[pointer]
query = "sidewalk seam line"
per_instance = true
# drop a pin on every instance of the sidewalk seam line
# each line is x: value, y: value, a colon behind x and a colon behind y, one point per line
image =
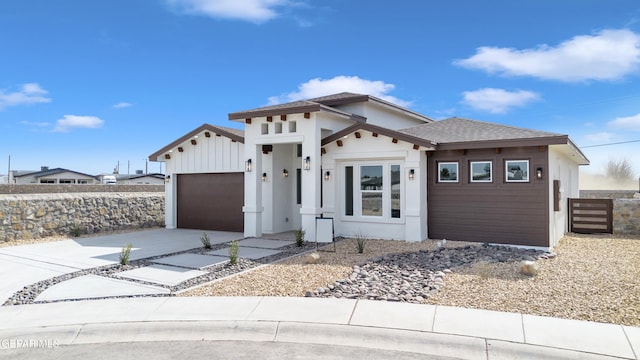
x: 629, y: 341
x: 524, y: 335
x: 353, y: 311
x: 433, y: 320
x: 486, y: 348
x: 275, y: 335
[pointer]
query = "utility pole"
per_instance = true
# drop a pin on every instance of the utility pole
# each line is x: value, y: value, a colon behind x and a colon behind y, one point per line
x: 146, y: 166
x: 9, y: 171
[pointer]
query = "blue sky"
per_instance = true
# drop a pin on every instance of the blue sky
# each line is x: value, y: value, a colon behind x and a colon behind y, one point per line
x: 86, y: 84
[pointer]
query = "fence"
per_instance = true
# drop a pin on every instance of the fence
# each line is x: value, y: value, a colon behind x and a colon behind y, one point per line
x: 589, y: 216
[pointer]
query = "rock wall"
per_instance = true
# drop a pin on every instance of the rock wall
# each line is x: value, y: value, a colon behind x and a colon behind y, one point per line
x: 39, y: 215
x: 78, y: 188
x: 607, y: 194
x: 626, y: 216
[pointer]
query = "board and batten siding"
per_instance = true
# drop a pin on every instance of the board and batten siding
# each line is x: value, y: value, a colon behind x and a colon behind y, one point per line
x: 498, y: 212
x: 213, y: 154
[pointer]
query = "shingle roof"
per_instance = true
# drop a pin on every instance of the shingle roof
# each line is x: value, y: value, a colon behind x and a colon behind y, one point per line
x: 456, y: 130
x: 41, y: 173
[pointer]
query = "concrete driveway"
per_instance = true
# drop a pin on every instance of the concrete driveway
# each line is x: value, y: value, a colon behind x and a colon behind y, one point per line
x: 27, y: 264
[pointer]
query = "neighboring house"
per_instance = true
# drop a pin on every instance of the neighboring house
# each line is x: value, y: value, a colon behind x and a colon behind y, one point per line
x: 377, y: 169
x: 138, y: 179
x: 53, y: 176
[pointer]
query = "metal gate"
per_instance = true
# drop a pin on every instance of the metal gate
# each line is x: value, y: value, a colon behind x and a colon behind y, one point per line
x: 590, y: 216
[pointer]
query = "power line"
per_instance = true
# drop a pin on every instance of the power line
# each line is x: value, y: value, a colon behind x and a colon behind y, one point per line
x: 616, y: 143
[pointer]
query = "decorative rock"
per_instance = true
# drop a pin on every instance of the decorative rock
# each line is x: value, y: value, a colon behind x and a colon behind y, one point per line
x: 312, y: 258
x: 529, y: 268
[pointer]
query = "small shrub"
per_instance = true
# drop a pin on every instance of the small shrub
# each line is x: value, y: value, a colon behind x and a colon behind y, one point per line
x: 75, y: 230
x: 233, y: 252
x: 206, y: 242
x: 124, y: 254
x: 361, y: 240
x: 300, y: 236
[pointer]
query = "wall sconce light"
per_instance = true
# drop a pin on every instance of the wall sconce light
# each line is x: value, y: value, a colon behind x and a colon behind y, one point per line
x: 167, y: 179
x: 412, y: 174
x: 306, y: 164
x: 247, y: 166
x: 327, y: 176
x: 285, y: 173
x: 264, y: 176
x: 539, y: 173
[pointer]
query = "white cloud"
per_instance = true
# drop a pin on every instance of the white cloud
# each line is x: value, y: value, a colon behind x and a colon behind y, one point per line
x: 70, y: 122
x: 630, y: 123
x: 320, y: 87
x: 122, y: 105
x: 498, y: 101
x: 607, y: 55
x: 30, y: 93
x: 249, y: 10
x: 600, y: 137
x: 35, y: 124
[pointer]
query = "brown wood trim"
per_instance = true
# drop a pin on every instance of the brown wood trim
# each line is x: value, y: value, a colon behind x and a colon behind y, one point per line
x: 357, y: 134
x: 339, y: 142
x: 307, y: 115
x: 374, y: 134
x: 416, y: 146
x: 247, y: 121
x: 275, y: 111
x: 207, y: 134
x: 180, y: 149
x: 394, y: 140
x: 283, y: 117
x: 167, y: 156
x: 219, y: 131
x: 194, y: 142
x: 269, y: 118
x: 378, y: 130
x: 556, y: 195
x: 323, y: 151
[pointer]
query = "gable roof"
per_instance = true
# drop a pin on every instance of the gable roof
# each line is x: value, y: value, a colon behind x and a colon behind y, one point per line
x: 48, y: 172
x: 233, y: 134
x: 379, y: 130
x: 323, y: 103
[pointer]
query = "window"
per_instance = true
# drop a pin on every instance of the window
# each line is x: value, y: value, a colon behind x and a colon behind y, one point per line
x: 448, y: 172
x: 278, y: 129
x: 373, y: 191
x: 298, y: 150
x: 292, y: 126
x: 298, y: 186
x: 517, y: 170
x: 395, y: 191
x: 481, y: 171
x: 348, y: 193
x: 264, y: 128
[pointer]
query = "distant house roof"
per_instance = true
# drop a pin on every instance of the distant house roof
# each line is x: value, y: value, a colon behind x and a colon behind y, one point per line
x: 233, y: 134
x: 49, y: 172
x: 138, y: 176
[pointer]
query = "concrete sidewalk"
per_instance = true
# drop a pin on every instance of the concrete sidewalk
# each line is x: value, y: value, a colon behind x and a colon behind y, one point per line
x: 439, y: 331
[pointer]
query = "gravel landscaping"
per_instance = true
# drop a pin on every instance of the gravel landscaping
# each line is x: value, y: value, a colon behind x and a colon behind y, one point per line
x: 590, y: 277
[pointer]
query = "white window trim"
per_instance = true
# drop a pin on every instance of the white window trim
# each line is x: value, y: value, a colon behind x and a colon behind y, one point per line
x: 386, y: 193
x: 506, y: 172
x: 490, y: 180
x: 457, y: 172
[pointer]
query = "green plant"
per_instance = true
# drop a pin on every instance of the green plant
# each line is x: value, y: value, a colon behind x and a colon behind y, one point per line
x: 361, y: 240
x: 206, y: 242
x: 75, y: 230
x: 233, y: 252
x: 300, y: 236
x: 124, y: 254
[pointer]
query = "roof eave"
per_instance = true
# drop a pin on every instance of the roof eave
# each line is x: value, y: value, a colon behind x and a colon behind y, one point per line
x: 430, y: 145
x: 504, y: 143
x: 274, y: 112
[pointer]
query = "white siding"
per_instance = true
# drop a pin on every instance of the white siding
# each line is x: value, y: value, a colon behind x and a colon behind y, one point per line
x: 566, y: 170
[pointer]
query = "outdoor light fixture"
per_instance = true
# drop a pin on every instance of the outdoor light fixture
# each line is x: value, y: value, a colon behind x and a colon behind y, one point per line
x: 247, y: 166
x: 539, y: 173
x: 412, y: 174
x: 306, y: 164
x: 264, y: 176
x: 327, y: 176
x: 167, y: 178
x: 285, y: 173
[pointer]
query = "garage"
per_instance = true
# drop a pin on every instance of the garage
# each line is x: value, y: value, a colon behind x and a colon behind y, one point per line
x: 211, y: 201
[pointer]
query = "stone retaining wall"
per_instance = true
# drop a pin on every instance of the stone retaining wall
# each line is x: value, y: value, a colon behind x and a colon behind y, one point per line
x: 607, y: 194
x: 39, y: 215
x: 78, y: 188
x: 626, y: 216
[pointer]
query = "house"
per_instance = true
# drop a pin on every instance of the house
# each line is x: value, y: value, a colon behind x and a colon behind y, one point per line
x: 53, y: 176
x: 375, y: 168
x: 138, y: 179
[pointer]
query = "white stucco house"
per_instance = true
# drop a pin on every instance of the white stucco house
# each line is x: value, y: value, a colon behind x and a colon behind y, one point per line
x: 375, y: 168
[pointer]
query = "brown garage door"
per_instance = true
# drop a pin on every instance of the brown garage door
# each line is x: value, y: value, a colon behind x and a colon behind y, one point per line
x: 211, y: 201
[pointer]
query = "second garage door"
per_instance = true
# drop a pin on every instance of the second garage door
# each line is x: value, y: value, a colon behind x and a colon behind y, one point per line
x: 210, y: 201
